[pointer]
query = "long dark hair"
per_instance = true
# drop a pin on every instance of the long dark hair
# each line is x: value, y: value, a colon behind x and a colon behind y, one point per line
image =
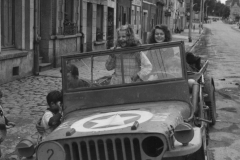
x: 164, y: 28
x: 132, y: 40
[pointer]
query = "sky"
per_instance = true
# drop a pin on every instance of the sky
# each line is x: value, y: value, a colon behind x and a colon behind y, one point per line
x: 223, y: 1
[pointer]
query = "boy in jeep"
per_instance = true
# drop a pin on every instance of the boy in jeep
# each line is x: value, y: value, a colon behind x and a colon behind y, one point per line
x: 52, y: 116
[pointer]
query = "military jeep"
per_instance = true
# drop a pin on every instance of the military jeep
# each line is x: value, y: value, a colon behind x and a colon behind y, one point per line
x: 163, y: 116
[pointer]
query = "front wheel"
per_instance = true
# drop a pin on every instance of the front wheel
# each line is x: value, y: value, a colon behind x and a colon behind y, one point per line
x: 210, y: 100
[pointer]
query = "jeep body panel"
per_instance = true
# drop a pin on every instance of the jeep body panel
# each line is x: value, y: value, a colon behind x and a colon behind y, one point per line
x: 161, y: 116
x: 151, y: 92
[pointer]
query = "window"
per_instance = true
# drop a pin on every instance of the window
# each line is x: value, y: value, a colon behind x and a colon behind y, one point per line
x: 124, y: 16
x: 133, y: 16
x: 70, y: 27
x: 7, y: 21
x: 68, y: 15
x: 99, y: 27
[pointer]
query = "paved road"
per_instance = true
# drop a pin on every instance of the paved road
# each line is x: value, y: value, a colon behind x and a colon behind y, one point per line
x: 24, y: 103
x: 221, y: 46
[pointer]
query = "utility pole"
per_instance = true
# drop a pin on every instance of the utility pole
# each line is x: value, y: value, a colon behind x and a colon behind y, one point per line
x: 190, y: 22
x: 200, y: 18
x: 203, y: 11
x: 206, y: 11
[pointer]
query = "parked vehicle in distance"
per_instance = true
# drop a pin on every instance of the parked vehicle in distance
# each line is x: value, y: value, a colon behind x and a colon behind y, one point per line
x: 163, y: 116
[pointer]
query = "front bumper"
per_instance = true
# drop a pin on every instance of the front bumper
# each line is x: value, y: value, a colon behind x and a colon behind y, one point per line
x: 193, y: 146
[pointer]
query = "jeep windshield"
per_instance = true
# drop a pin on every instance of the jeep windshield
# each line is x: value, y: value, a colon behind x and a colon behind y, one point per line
x: 122, y: 67
x: 111, y: 73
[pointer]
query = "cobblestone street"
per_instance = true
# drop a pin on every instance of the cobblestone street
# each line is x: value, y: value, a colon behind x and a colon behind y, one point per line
x: 24, y: 101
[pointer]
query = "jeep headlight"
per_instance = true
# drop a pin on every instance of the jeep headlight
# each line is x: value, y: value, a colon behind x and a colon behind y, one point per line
x: 153, y: 146
x: 184, y: 133
x: 51, y: 150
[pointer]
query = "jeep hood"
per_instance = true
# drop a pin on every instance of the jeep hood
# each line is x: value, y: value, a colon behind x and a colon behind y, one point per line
x: 154, y: 117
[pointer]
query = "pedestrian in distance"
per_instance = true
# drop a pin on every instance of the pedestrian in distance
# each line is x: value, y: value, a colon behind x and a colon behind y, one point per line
x: 136, y: 65
x: 52, y: 116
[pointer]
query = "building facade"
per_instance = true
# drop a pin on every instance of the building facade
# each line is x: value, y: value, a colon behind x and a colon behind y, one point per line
x: 36, y: 33
x: 95, y: 24
x: 148, y: 18
x: 60, y: 29
x: 179, y: 16
x: 235, y: 10
x: 17, y: 37
x: 123, y: 12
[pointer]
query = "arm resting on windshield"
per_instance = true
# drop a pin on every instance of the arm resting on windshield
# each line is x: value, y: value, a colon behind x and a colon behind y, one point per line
x: 146, y: 66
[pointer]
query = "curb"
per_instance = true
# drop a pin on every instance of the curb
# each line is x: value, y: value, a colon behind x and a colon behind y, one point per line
x: 225, y: 95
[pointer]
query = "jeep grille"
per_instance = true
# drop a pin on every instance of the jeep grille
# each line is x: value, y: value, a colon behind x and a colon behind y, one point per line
x: 112, y: 147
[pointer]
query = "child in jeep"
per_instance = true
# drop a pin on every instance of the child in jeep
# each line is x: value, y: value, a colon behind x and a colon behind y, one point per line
x: 136, y: 65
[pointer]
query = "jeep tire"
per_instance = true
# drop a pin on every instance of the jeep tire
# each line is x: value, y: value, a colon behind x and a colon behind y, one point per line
x: 210, y: 101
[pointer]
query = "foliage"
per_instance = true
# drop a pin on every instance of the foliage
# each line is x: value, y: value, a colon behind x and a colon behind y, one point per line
x: 214, y: 8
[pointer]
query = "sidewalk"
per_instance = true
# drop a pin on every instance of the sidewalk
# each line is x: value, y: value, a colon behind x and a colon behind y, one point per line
x: 235, y: 27
x: 184, y: 37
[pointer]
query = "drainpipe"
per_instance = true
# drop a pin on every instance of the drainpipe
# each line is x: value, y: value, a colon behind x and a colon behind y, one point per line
x: 81, y: 22
x: 36, y: 39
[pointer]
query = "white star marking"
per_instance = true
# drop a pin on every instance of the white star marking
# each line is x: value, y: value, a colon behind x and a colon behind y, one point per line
x: 111, y: 121
x: 115, y: 120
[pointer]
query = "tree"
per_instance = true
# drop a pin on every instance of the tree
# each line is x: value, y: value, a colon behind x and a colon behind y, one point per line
x: 226, y: 12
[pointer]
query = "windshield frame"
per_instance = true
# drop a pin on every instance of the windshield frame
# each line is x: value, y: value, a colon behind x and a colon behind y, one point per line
x: 66, y: 58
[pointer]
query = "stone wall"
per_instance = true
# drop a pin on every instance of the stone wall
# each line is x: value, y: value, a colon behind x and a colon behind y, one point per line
x: 15, y: 64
